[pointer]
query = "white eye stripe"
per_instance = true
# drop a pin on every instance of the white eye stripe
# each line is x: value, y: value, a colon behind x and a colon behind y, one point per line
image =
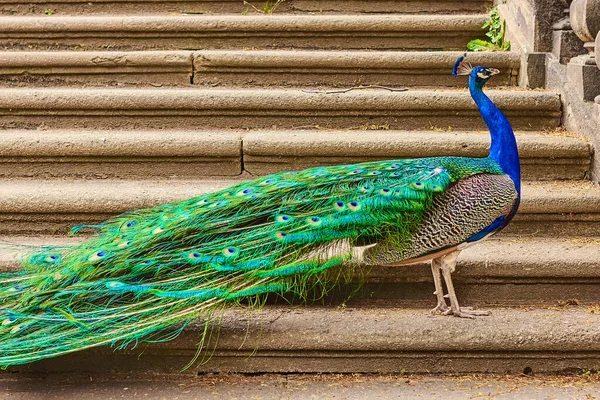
x: 482, y: 75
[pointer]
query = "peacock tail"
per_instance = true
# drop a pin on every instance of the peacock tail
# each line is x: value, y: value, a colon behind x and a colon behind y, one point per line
x: 147, y: 273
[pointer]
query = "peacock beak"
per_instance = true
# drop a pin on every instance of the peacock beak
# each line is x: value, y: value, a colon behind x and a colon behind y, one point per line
x: 494, y: 71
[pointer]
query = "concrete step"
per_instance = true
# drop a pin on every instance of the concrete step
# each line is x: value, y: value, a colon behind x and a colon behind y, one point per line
x: 145, y: 108
x: 119, y: 154
x: 146, y: 7
x: 543, y: 156
x: 503, y: 271
x: 401, y: 32
x: 189, y: 155
x: 575, y: 386
x: 355, y: 340
x: 569, y: 208
x: 96, y: 68
x: 342, y: 68
x: 245, y: 68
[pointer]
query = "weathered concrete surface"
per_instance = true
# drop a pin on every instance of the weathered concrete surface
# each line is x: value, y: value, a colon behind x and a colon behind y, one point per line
x: 149, y: 7
x: 343, y: 68
x: 119, y: 154
x: 145, y: 108
x: 506, y: 271
x: 529, y: 23
x: 578, y: 115
x: 191, y: 154
x: 391, y: 340
x: 543, y: 156
x: 299, y: 387
x: 583, y: 77
x: 238, y: 68
x: 442, y: 32
x: 47, y: 68
x: 26, y: 206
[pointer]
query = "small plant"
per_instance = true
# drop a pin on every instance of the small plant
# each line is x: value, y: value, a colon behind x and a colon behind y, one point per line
x: 495, y: 34
x: 591, y: 374
x: 48, y: 11
x: 268, y: 8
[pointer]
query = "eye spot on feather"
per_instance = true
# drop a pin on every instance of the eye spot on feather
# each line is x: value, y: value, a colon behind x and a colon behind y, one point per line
x: 52, y: 258
x: 385, y: 191
x: 124, y: 244
x: 268, y: 181
x: 375, y: 173
x: 114, y: 285
x: 17, y: 288
x: 129, y: 224
x: 280, y: 235
x: 339, y: 205
x: 355, y: 172
x: 245, y: 192
x: 18, y: 328
x: 365, y: 189
x: 8, y: 321
x: 396, y: 173
x: 283, y: 219
x: 354, y: 205
x: 230, y: 251
x: 218, y: 204
x: 437, y: 188
x: 158, y: 230
x: 417, y: 185
x: 202, y: 202
x: 98, y: 255
x: 393, y: 166
x: 193, y: 255
x: 314, y: 221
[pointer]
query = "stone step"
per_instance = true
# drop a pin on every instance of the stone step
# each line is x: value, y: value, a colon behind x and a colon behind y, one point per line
x: 569, y: 208
x: 543, y: 156
x: 245, y: 68
x: 119, y: 154
x: 190, y: 108
x: 96, y: 68
x: 503, y: 271
x: 361, y: 340
x: 142, y: 155
x: 74, y: 386
x: 178, y: 32
x: 343, y: 68
x: 135, y: 7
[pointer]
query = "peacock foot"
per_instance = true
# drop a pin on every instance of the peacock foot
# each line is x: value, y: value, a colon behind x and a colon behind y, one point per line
x: 441, y: 308
x: 467, y: 312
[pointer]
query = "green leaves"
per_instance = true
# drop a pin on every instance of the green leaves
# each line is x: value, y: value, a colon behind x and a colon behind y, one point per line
x: 495, y: 33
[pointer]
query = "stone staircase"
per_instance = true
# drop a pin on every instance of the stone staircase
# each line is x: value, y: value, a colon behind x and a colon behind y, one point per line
x: 113, y: 105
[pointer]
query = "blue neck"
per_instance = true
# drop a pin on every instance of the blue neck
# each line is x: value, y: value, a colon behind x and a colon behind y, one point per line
x: 503, y: 149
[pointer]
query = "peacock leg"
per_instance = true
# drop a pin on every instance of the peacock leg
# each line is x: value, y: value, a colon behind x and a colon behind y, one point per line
x: 448, y: 266
x: 442, y: 307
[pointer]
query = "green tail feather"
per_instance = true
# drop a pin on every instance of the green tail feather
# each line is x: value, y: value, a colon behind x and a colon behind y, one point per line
x: 149, y: 272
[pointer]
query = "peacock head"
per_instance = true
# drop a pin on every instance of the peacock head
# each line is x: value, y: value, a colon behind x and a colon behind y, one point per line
x: 478, y: 75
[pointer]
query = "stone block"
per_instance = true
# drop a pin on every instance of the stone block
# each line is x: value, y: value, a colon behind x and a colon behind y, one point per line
x: 566, y: 45
x: 584, y: 76
x: 533, y: 70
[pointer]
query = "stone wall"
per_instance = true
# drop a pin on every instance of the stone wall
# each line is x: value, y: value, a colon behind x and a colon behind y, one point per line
x: 558, y: 40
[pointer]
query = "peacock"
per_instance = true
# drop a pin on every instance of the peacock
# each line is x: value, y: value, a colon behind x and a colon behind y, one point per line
x: 145, y: 274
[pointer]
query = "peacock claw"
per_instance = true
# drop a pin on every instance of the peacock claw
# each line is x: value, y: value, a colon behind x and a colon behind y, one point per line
x: 441, y: 308
x: 468, y: 312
